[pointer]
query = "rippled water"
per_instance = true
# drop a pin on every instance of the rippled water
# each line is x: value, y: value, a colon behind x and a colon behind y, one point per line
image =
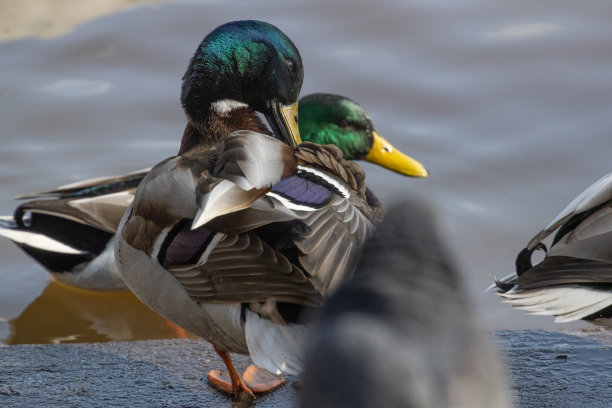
x: 507, y: 103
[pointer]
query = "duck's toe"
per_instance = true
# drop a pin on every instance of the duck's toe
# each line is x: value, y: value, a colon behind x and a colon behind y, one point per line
x: 222, y: 381
x: 260, y: 380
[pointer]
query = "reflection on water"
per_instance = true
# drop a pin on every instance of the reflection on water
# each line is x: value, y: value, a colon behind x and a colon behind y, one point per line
x: 507, y: 103
x: 62, y: 314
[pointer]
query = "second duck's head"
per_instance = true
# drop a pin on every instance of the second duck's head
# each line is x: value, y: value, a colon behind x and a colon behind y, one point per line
x: 337, y: 120
x: 243, y: 67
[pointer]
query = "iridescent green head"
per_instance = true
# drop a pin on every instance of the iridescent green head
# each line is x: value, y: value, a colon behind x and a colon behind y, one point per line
x: 334, y: 119
x: 245, y: 63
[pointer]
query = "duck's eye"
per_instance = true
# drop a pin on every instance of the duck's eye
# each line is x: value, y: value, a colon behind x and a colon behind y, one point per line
x: 343, y: 123
x: 290, y: 65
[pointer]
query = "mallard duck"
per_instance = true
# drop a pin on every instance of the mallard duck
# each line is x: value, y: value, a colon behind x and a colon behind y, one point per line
x: 245, y: 229
x: 574, y: 280
x: 400, y: 333
x: 70, y: 230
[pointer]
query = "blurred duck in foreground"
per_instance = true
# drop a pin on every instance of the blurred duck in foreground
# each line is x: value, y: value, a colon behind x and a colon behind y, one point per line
x: 70, y: 230
x: 400, y: 333
x: 574, y: 280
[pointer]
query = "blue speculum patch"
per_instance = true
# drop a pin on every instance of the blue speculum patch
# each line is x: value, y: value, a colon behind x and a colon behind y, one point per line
x: 305, y: 188
x: 187, y: 245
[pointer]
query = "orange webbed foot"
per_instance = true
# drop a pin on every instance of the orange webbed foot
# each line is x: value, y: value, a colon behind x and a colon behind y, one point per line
x: 253, y: 380
x: 260, y: 380
x: 222, y: 381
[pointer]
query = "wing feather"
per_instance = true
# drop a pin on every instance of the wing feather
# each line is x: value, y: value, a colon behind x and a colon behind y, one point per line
x: 313, y: 246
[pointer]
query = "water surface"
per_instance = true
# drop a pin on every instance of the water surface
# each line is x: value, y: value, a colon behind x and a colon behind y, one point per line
x: 507, y: 103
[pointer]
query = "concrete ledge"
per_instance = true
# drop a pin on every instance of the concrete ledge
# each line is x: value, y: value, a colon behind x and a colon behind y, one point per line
x: 155, y: 373
x: 546, y: 369
x: 570, y: 369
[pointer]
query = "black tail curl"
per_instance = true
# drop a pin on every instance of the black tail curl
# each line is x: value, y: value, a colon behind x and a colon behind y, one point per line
x: 523, y: 259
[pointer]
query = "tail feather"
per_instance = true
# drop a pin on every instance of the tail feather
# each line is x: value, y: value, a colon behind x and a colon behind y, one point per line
x: 277, y: 348
x: 34, y: 240
x: 568, y: 302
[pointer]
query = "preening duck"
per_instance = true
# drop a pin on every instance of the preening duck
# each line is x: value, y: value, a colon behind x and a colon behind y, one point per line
x: 70, y: 230
x: 574, y: 280
x: 246, y: 228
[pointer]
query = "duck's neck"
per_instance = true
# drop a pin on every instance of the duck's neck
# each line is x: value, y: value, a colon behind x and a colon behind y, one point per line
x: 218, y: 125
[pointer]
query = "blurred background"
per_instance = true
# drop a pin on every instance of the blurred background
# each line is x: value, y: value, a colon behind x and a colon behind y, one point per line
x: 508, y: 104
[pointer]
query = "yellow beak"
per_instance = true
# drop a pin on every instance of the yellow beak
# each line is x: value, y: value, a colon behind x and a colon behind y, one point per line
x: 385, y: 155
x: 289, y: 118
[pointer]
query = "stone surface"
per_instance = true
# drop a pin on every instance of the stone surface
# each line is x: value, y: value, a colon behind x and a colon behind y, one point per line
x: 559, y: 369
x: 160, y: 373
x: 546, y: 369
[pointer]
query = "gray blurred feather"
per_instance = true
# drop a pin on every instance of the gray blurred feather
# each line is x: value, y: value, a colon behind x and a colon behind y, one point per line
x: 400, y: 333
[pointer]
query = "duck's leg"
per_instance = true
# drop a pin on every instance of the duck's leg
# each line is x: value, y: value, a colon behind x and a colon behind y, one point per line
x: 216, y: 379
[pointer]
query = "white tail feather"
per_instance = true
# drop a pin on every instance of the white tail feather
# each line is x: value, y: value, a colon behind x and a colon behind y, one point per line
x: 277, y: 348
x: 568, y: 303
x: 39, y: 241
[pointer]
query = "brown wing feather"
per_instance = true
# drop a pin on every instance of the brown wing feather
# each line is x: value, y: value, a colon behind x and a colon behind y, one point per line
x: 242, y: 267
x: 245, y: 268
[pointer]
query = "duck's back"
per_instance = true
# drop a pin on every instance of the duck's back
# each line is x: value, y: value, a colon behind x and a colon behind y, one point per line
x: 252, y: 222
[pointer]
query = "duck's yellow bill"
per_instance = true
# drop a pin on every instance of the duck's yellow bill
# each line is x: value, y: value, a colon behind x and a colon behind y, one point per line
x: 385, y: 155
x: 289, y: 117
